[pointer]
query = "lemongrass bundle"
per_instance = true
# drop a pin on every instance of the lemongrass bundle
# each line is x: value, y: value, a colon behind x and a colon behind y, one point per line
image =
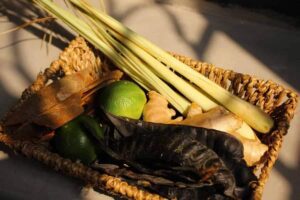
x: 150, y: 66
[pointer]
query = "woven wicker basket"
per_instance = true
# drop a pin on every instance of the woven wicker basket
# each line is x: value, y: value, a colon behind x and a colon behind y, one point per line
x: 277, y: 101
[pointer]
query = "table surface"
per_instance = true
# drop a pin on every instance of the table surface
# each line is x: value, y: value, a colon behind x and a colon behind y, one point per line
x: 230, y: 37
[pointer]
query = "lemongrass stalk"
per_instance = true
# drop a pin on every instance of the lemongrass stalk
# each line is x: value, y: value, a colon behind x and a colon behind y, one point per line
x: 245, y: 129
x: 166, y: 74
x: 141, y: 68
x: 251, y: 114
x: 133, y: 63
x: 83, y: 29
x: 98, y: 30
x: 181, y: 85
x: 134, y: 74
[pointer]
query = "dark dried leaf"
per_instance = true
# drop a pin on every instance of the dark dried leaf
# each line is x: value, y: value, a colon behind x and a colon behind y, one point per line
x: 196, y: 157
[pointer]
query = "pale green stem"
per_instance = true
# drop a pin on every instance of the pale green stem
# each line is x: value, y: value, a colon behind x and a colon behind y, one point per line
x: 251, y: 114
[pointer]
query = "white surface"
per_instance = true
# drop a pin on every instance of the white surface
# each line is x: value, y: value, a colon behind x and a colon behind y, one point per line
x: 221, y: 36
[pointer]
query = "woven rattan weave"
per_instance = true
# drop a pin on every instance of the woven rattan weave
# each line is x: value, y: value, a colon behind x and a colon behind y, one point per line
x: 274, y: 99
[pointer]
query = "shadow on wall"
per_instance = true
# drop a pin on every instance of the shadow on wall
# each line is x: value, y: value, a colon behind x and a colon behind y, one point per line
x: 20, y: 12
x: 280, y: 56
x: 292, y: 175
x: 6, y: 100
x: 288, y: 7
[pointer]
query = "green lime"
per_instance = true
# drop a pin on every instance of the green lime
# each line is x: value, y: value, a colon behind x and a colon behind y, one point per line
x: 93, y: 127
x: 123, y: 98
x: 74, y: 141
